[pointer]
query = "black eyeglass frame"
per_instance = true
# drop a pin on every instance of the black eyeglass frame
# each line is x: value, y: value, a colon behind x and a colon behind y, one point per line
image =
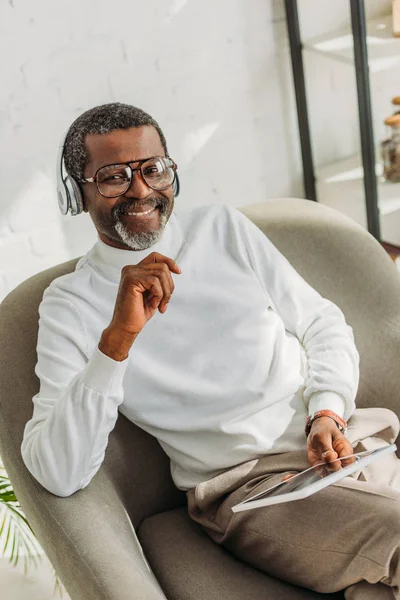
x: 141, y: 161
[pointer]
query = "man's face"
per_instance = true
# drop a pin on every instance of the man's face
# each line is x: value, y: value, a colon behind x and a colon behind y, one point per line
x: 110, y: 215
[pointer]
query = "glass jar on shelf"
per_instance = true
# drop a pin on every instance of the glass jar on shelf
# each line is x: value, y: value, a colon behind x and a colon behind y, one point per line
x: 396, y: 105
x: 390, y: 150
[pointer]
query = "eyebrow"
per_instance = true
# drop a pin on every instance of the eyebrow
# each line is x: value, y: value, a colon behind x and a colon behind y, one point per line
x: 129, y: 161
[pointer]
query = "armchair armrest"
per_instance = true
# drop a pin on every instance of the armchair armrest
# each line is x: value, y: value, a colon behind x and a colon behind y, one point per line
x: 96, y: 553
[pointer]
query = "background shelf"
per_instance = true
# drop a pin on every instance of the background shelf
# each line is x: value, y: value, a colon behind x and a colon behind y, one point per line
x: 383, y: 47
x: 340, y: 185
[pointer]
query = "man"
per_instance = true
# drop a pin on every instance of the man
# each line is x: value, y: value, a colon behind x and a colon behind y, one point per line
x: 196, y: 328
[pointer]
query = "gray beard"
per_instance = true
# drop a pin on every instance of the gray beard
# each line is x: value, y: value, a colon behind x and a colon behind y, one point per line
x: 142, y: 240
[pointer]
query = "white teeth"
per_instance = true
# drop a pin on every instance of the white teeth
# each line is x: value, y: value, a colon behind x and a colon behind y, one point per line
x: 146, y: 212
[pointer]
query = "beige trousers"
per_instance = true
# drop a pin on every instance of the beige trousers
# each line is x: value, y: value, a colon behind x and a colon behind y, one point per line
x: 345, y: 537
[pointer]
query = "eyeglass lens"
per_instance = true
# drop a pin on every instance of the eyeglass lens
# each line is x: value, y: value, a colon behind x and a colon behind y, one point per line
x: 114, y: 180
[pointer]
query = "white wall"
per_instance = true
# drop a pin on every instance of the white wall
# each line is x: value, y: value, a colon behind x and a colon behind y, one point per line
x: 207, y: 71
x: 214, y: 73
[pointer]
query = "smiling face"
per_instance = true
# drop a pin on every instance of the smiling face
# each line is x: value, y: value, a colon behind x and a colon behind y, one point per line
x: 115, y: 226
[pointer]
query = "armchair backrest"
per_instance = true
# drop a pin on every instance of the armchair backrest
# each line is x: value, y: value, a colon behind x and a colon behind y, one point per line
x: 347, y: 265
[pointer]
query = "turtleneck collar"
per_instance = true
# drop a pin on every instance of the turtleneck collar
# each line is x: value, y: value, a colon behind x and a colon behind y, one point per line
x: 116, y: 258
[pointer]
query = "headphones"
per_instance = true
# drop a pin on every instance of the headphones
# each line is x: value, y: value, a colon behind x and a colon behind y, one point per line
x: 69, y: 194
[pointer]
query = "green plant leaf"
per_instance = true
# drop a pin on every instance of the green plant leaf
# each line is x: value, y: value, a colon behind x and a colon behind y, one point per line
x: 2, y: 525
x: 7, y: 537
x: 15, y: 548
x: 16, y: 528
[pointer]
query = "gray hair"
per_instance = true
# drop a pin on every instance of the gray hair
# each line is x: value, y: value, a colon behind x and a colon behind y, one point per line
x: 98, y: 120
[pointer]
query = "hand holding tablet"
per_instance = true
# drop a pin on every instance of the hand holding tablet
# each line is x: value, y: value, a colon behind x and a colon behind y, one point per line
x: 308, y: 482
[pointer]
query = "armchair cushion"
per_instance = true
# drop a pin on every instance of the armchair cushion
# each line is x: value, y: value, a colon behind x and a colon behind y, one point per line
x: 183, y: 561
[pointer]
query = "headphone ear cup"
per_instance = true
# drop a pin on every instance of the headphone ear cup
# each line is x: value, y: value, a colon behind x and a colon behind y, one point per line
x: 62, y: 196
x: 75, y: 195
x: 177, y: 186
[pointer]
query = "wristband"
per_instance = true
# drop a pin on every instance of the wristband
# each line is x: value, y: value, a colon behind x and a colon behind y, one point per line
x: 341, y: 423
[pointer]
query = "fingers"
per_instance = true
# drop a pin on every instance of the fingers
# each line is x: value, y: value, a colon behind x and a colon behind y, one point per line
x: 324, y: 445
x: 143, y: 288
x: 330, y: 445
x: 156, y: 290
x: 330, y: 457
x: 320, y: 447
x: 162, y: 272
x: 344, y: 448
x: 159, y: 266
x: 156, y: 257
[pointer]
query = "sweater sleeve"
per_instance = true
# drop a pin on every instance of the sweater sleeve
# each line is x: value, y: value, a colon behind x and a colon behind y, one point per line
x: 318, y: 323
x: 76, y: 407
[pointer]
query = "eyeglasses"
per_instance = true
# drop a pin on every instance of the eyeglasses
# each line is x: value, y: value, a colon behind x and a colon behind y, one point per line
x: 158, y: 172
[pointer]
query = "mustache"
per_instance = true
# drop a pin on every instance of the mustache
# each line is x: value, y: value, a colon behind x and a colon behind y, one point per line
x: 128, y: 206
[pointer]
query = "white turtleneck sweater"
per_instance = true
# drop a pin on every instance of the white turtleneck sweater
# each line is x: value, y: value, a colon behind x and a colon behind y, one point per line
x: 245, y: 350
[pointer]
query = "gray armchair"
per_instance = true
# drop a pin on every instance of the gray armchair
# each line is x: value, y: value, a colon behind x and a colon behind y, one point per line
x: 127, y: 536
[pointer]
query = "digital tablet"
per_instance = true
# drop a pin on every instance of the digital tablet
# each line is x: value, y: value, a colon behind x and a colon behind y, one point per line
x: 306, y: 483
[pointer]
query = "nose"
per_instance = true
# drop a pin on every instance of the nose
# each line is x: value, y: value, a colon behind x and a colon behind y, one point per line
x: 138, y: 188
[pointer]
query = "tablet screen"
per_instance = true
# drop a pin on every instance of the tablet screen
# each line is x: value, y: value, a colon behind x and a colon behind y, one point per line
x: 305, y: 479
